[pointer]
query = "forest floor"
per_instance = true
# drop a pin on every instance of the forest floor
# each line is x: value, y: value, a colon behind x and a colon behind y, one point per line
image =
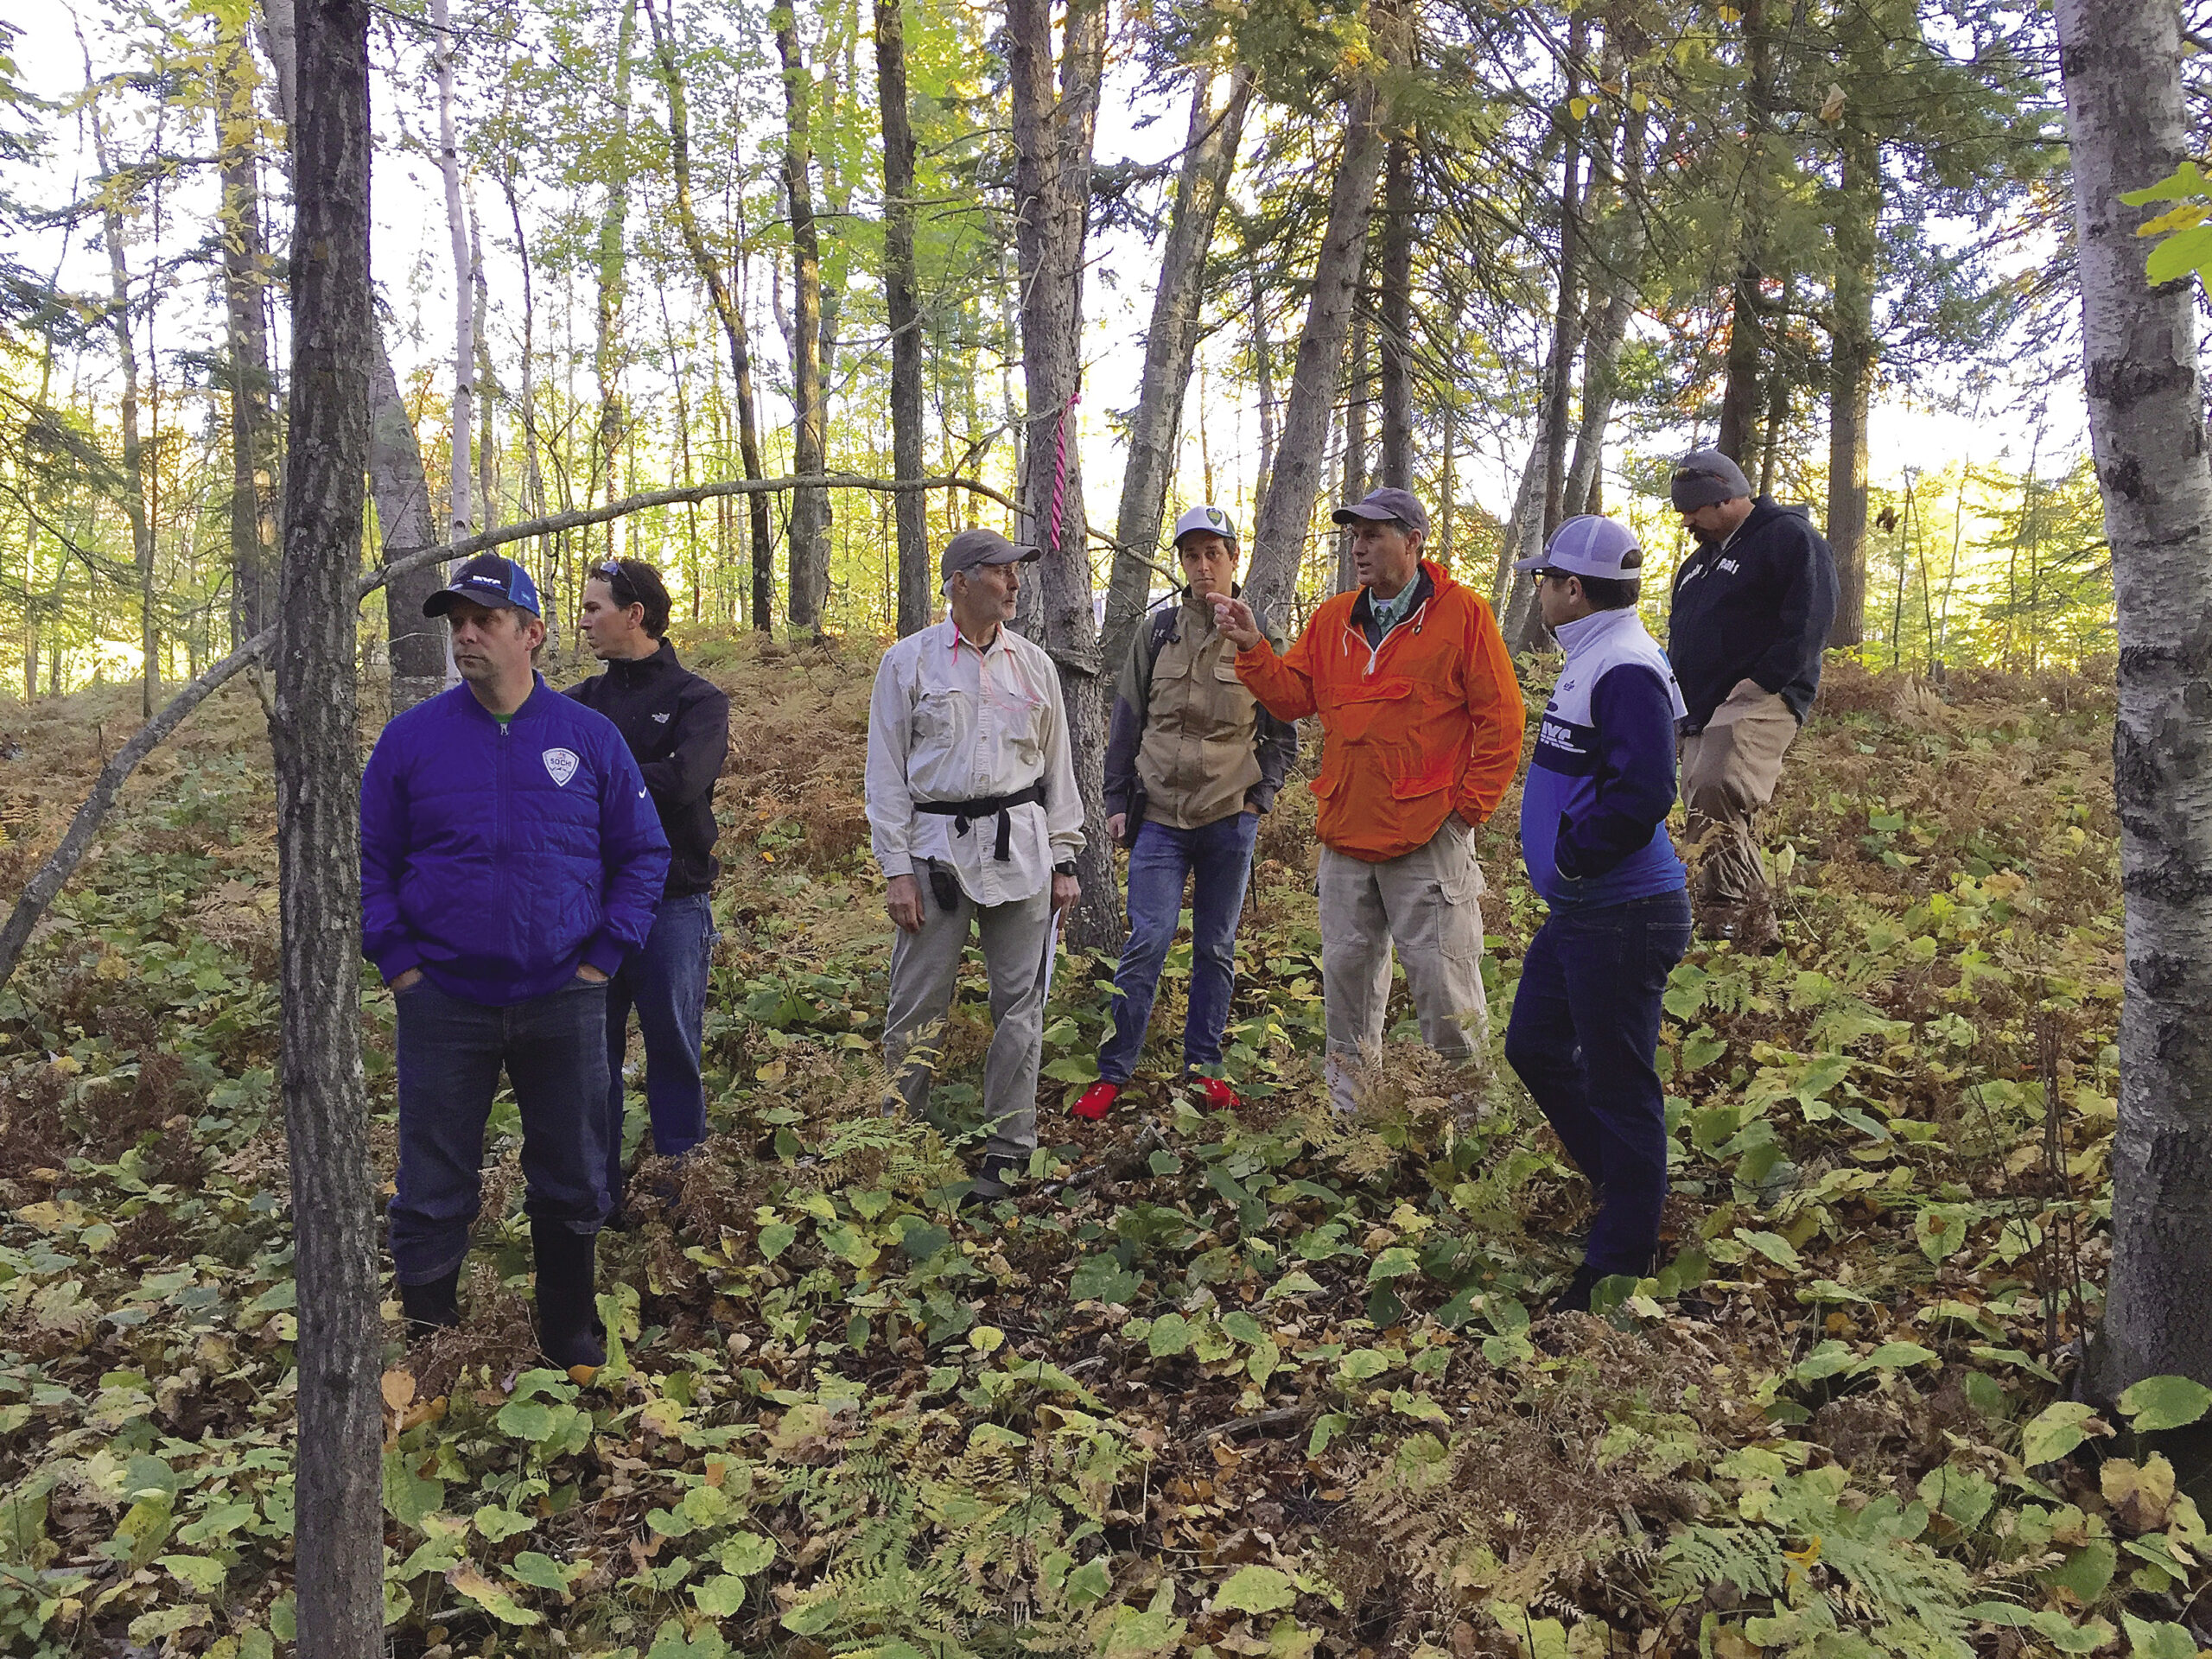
x: 1261, y: 1383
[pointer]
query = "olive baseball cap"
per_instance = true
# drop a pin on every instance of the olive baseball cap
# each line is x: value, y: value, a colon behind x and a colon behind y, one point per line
x: 972, y: 547
x: 1383, y: 504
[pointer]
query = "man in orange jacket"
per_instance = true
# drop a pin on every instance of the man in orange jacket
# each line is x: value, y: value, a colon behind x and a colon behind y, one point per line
x: 1422, y: 722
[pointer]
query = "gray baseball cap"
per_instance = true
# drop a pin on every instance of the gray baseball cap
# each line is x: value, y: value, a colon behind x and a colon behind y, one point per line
x: 972, y: 547
x: 1705, y: 476
x: 1387, y: 504
x: 1591, y: 545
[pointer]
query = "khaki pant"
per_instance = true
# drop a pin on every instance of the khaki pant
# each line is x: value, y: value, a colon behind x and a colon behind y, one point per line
x: 1425, y: 903
x: 1017, y: 940
x: 1729, y: 771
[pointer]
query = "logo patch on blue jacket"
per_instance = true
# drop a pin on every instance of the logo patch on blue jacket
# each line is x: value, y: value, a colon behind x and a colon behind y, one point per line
x: 561, y: 764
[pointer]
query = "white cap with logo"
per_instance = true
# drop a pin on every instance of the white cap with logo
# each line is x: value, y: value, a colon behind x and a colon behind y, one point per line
x: 1209, y: 518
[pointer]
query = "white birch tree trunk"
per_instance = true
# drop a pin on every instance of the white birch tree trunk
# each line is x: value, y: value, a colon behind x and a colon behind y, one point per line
x: 2121, y: 60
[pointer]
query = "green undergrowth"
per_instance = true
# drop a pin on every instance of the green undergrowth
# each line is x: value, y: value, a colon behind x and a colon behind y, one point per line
x: 1261, y: 1383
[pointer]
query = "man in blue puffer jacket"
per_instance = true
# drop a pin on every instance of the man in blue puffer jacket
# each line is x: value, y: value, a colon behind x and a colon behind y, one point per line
x: 1584, y: 1031
x: 510, y: 859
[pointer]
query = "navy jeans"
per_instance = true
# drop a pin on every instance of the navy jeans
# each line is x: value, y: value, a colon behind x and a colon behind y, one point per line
x: 665, y: 980
x: 1219, y: 855
x: 450, y: 1053
x: 1583, y: 1035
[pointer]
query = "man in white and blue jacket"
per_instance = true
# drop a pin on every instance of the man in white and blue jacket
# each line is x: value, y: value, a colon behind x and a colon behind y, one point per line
x: 511, y: 860
x: 1585, y: 1031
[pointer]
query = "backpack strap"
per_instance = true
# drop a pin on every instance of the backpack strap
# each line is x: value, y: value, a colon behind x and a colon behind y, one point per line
x: 1163, y: 629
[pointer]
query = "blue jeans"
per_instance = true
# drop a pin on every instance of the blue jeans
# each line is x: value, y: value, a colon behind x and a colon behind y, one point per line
x: 1583, y: 1035
x: 1219, y: 854
x: 450, y: 1053
x: 665, y: 980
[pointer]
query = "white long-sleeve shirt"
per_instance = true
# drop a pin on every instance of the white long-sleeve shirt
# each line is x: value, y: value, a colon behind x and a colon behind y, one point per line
x: 953, y: 721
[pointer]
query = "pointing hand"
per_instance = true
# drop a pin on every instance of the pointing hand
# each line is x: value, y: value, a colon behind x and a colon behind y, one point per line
x: 1234, y: 618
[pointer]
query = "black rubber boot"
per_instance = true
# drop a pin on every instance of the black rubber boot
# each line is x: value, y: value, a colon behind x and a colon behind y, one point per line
x: 569, y: 1331
x: 432, y: 1306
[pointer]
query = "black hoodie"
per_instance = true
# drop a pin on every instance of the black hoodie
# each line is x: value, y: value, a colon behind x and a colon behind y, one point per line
x: 1758, y: 607
x: 678, y: 726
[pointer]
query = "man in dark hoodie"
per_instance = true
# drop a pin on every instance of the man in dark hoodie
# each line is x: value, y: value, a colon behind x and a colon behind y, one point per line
x: 676, y: 724
x: 1750, y: 614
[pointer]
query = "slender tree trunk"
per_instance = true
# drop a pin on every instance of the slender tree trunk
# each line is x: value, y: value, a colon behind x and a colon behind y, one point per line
x: 2121, y: 60
x: 416, y: 647
x: 247, y: 275
x: 1395, y: 318
x: 1851, y: 365
x: 901, y: 293
x: 134, y: 463
x: 1356, y: 384
x: 461, y: 518
x: 1600, y: 384
x: 1739, y: 397
x: 1286, y: 518
x: 1777, y: 386
x: 1568, y: 320
x: 1264, y: 378
x: 1448, y: 485
x: 1054, y: 128
x: 728, y: 307
x: 808, y: 579
x: 1218, y: 102
x: 487, y: 385
x: 610, y: 433
x: 338, y: 1528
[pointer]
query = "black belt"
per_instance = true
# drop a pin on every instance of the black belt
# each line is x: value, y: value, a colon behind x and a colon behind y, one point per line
x: 963, y: 814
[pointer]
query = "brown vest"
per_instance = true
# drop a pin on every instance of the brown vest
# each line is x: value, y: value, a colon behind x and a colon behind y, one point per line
x: 1197, y: 759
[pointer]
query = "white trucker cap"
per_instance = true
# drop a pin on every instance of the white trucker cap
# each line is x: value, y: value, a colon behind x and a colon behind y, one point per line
x: 1591, y: 545
x: 1206, y: 518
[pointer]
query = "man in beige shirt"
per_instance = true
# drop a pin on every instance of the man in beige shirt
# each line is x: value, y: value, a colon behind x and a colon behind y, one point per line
x: 1191, y: 762
x: 974, y: 818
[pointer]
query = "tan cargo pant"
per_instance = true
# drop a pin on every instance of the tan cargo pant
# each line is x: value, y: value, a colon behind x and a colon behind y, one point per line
x: 1425, y: 903
x: 1017, y: 941
x: 1729, y: 773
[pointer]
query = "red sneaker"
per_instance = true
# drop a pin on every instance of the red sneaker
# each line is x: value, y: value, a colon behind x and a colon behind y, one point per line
x: 1097, y: 1101
x: 1220, y: 1096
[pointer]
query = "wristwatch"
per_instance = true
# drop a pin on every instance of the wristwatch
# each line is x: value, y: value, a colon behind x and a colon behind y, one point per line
x: 1067, y: 868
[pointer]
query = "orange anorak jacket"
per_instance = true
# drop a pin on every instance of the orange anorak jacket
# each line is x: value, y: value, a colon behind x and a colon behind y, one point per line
x: 1425, y: 724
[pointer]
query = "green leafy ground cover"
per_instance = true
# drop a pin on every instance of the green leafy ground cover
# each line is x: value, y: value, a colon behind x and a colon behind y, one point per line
x: 1268, y: 1383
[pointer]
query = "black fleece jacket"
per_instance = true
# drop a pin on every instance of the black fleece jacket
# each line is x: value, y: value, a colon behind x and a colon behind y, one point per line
x: 1757, y: 609
x: 678, y: 726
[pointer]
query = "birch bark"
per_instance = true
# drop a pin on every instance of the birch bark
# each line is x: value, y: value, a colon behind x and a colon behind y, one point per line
x: 2121, y: 63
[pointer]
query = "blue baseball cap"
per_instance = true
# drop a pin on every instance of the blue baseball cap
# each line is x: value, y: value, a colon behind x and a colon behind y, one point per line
x: 495, y: 583
x: 1590, y: 546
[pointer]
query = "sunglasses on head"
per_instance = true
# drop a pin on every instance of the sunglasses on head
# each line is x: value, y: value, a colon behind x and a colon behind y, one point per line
x: 617, y: 580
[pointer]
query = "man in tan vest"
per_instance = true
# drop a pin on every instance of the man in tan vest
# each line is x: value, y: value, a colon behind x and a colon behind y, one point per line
x: 1191, y: 762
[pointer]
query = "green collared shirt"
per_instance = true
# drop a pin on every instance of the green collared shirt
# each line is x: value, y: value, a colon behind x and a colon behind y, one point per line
x: 1388, y: 613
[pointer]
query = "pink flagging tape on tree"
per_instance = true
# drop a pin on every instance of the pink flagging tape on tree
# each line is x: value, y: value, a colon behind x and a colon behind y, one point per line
x: 1060, y: 471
